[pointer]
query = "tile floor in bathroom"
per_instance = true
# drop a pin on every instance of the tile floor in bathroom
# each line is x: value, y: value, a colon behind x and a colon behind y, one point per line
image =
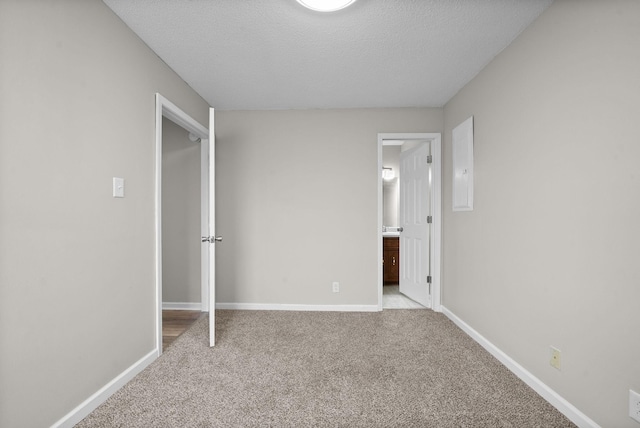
x: 393, y: 299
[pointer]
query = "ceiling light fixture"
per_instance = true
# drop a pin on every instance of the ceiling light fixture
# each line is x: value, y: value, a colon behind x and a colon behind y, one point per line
x: 326, y: 5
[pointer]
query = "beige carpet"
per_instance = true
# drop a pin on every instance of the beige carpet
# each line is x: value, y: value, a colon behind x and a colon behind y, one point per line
x: 400, y: 368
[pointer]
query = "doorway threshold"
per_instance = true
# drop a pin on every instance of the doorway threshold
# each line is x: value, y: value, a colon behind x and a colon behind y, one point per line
x: 393, y: 299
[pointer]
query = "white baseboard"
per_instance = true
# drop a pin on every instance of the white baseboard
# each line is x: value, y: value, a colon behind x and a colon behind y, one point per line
x: 566, y: 408
x: 288, y: 307
x: 91, y: 403
x: 181, y: 306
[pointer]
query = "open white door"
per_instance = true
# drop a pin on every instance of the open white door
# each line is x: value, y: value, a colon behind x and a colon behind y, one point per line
x: 415, y: 218
x: 211, y: 237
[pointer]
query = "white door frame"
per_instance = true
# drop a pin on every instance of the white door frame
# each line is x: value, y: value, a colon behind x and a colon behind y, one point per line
x: 436, y: 203
x: 166, y: 108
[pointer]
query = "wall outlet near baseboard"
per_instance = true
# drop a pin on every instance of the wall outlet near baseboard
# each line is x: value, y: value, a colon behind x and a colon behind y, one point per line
x: 336, y: 287
x: 555, y: 358
x: 634, y: 405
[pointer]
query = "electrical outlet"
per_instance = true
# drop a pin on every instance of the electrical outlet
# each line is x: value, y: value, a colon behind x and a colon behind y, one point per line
x: 336, y: 287
x: 634, y: 405
x: 555, y: 358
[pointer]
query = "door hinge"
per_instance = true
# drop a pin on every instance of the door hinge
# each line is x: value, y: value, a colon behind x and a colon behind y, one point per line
x: 429, y: 219
x: 429, y: 159
x: 429, y: 279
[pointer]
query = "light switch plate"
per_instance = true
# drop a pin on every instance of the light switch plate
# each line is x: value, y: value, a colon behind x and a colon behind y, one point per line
x: 118, y: 187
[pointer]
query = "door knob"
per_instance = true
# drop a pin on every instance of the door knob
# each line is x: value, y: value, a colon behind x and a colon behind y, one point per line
x: 212, y: 239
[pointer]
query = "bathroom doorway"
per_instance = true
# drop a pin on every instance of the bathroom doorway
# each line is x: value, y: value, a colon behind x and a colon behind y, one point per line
x: 409, y: 218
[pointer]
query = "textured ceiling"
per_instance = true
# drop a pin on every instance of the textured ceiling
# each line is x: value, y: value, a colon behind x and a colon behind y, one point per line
x: 274, y: 54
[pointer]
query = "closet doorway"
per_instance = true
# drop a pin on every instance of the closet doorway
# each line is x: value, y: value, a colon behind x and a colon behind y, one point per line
x: 171, y: 235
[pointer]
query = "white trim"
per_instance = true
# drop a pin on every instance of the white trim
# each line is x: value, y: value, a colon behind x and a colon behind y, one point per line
x: 91, y: 403
x: 566, y: 408
x: 182, y: 306
x: 436, y: 203
x: 380, y: 223
x: 158, y: 222
x: 293, y: 307
x: 166, y: 108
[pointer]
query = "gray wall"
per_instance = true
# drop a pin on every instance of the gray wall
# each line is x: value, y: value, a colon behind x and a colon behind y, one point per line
x: 76, y: 265
x: 297, y: 202
x: 549, y: 256
x: 391, y: 188
x: 180, y: 216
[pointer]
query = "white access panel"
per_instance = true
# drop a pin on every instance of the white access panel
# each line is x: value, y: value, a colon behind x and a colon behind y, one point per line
x: 462, y: 146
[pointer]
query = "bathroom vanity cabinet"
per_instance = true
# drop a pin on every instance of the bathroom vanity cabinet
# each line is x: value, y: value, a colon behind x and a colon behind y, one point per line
x: 391, y: 260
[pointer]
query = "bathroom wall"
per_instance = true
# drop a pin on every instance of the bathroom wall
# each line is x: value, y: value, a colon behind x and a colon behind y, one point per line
x: 391, y: 189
